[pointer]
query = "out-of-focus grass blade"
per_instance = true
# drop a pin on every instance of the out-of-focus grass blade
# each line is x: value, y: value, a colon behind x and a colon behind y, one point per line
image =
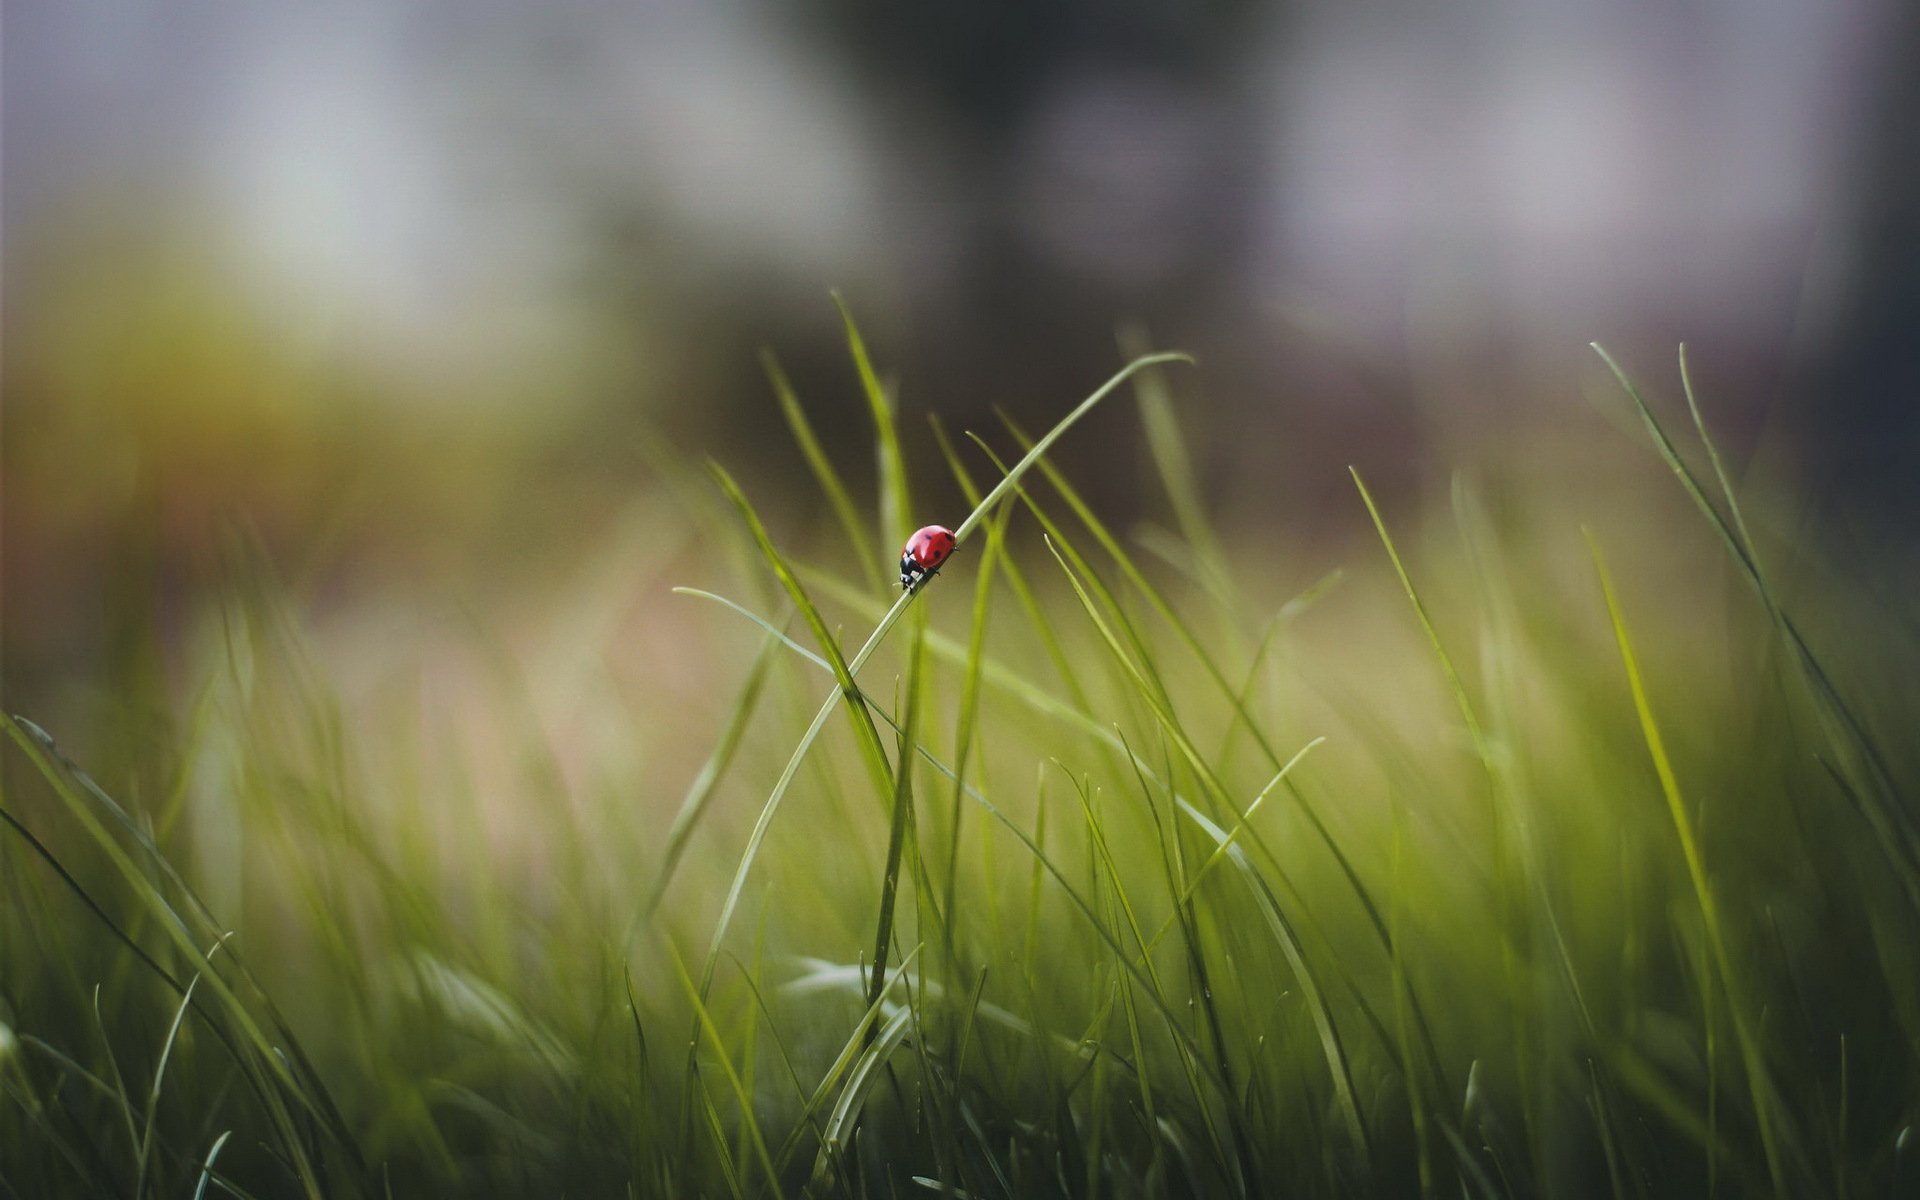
x: 122, y: 1100
x: 159, y: 1078
x: 206, y: 1167
x: 896, y: 500
x: 1759, y: 1079
x: 1886, y: 812
x: 901, y: 821
x: 1454, y: 683
x: 864, y: 549
x: 305, y: 1086
x: 1175, y: 464
x: 846, y: 1110
x: 1282, y: 929
x: 744, y: 1098
x: 835, y: 977
x: 711, y: 772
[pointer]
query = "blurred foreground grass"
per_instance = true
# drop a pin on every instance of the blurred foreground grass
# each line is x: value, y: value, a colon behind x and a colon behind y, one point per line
x: 1587, y: 872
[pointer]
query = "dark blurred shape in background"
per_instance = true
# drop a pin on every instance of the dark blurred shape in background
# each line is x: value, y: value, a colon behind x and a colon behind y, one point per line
x: 411, y: 279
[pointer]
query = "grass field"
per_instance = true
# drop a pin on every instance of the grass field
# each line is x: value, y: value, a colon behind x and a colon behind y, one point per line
x: 1502, y: 861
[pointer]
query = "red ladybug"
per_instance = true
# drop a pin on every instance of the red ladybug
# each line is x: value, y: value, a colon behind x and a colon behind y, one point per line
x: 924, y: 553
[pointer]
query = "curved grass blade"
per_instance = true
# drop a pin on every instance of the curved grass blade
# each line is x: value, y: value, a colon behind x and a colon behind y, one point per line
x: 305, y: 1086
x: 864, y: 550
x: 1894, y: 828
x: 1759, y: 1081
x: 857, y: 1042
x: 853, y: 1097
x: 900, y: 823
x: 206, y: 1166
x: 694, y: 805
x: 896, y: 500
x: 859, y: 660
x: 1174, y: 462
x: 742, y: 1096
x: 159, y: 1077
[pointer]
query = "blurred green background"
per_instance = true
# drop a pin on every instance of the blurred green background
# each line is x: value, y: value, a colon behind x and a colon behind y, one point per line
x: 414, y: 297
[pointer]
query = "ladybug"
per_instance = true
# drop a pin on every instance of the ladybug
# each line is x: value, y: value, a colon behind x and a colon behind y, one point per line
x: 924, y: 553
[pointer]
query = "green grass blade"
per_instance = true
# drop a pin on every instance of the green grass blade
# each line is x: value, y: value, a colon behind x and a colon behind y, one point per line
x: 122, y: 1099
x: 847, y: 690
x: 865, y: 551
x: 1174, y: 462
x: 860, y: 1081
x: 856, y: 1043
x: 1332, y: 1049
x: 896, y: 500
x: 159, y: 1078
x: 742, y: 1096
x: 1454, y: 683
x: 206, y: 1166
x: 1895, y: 829
x: 981, y: 510
x: 900, y: 823
x: 1012, y: 477
x: 700, y: 791
x: 1759, y: 1080
x: 966, y: 721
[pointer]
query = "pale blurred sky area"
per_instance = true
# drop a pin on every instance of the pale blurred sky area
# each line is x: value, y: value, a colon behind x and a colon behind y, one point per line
x: 1330, y: 202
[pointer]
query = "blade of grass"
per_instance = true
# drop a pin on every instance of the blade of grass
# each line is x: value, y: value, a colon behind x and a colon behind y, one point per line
x: 846, y: 1110
x: 1332, y: 1049
x: 1759, y: 1081
x: 305, y: 1086
x: 856, y: 1043
x: 159, y: 1077
x: 1894, y: 828
x: 895, y: 498
x: 864, y: 549
x: 1227, y: 691
x: 980, y: 512
x: 901, y: 822
x: 206, y: 1166
x: 1174, y: 464
x: 700, y: 792
x: 966, y: 726
x: 743, y: 1098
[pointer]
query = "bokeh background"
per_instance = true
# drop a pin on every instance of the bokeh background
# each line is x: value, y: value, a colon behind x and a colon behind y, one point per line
x: 415, y: 301
x: 409, y: 272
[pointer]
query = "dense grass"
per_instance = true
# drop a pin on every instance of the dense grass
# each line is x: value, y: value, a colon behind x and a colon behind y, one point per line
x: 1088, y: 875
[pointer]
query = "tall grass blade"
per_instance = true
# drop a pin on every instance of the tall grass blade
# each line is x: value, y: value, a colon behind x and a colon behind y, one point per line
x: 1886, y: 812
x: 864, y: 549
x: 900, y: 824
x: 853, y: 665
x: 206, y: 1167
x: 1759, y: 1080
x: 1339, y: 1071
x: 159, y: 1078
x: 896, y: 500
x: 700, y: 792
x: 1174, y: 462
